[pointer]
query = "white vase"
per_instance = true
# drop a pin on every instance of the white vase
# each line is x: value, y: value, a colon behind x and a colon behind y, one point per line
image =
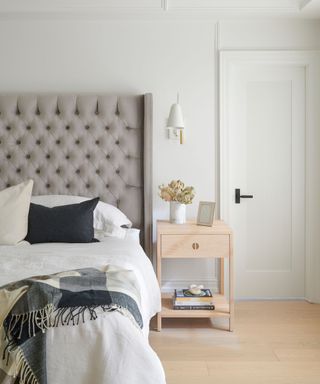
x: 177, y: 212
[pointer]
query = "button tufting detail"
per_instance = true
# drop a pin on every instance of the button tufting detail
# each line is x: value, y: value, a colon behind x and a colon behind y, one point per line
x: 66, y: 153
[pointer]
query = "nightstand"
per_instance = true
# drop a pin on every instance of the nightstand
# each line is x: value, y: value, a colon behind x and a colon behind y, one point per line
x: 179, y: 241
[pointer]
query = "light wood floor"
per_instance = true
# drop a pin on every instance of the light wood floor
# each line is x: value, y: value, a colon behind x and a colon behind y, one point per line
x: 273, y: 343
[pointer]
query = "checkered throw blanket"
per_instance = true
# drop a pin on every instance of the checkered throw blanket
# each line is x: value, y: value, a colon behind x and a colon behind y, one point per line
x: 29, y: 307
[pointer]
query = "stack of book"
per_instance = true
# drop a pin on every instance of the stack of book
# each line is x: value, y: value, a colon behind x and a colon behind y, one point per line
x: 184, y: 299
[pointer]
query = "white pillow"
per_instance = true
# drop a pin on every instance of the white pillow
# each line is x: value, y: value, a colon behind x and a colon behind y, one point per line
x: 14, y: 210
x: 132, y: 234
x: 107, y: 217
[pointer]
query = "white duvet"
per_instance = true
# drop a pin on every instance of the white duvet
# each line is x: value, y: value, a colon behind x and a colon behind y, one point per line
x: 109, y: 350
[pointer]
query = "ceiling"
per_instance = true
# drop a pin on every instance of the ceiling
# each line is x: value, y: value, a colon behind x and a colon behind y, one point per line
x: 163, y: 9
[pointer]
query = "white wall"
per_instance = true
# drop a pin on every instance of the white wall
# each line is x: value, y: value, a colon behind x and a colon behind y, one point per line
x: 99, y: 56
x: 159, y: 57
x: 265, y: 34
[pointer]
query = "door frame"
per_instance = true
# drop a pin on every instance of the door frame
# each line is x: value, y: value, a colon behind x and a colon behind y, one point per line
x: 307, y: 60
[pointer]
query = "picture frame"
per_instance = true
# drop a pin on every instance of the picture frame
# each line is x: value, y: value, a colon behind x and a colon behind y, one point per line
x: 206, y: 213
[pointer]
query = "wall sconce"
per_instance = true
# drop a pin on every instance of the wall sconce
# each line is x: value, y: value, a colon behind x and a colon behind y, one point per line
x: 175, y: 120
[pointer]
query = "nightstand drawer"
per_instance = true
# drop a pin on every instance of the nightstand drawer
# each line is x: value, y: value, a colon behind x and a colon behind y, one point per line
x: 194, y: 246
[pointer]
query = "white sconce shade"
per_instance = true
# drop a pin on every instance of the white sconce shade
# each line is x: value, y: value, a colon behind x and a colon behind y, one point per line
x: 175, y: 119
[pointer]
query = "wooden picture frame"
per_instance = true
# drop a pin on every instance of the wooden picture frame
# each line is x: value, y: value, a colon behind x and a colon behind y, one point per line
x: 206, y: 213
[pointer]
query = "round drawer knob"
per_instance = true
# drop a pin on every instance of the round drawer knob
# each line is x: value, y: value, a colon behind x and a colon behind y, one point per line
x: 195, y: 246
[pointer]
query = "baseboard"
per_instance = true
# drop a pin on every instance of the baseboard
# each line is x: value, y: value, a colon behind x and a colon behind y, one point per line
x: 169, y: 285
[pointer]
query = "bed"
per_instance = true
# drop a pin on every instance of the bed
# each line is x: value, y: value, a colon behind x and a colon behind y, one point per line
x: 87, y: 145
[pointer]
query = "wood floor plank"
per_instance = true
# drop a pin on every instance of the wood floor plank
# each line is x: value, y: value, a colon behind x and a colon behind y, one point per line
x: 275, y: 372
x: 273, y: 343
x: 186, y: 368
x: 235, y: 353
x: 298, y: 354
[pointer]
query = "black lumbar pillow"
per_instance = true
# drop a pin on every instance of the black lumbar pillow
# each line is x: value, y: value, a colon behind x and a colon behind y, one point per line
x: 71, y: 223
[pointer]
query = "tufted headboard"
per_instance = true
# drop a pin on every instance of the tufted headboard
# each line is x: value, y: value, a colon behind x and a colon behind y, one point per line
x: 85, y: 145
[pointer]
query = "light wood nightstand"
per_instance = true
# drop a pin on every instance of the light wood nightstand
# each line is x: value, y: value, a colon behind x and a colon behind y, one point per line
x: 175, y: 241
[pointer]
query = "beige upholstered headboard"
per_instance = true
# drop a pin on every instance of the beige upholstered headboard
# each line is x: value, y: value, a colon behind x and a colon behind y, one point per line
x: 86, y: 145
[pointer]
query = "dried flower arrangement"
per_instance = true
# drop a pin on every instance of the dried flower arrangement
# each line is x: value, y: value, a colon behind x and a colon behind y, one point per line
x: 177, y: 191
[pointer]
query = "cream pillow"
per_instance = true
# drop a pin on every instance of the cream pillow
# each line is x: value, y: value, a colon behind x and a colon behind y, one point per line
x: 14, y: 210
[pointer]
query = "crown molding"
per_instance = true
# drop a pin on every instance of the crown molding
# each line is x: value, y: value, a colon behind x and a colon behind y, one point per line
x: 239, y: 5
x: 150, y: 9
x: 59, y: 6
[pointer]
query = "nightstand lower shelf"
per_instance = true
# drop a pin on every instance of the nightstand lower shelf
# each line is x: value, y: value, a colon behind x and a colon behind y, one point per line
x: 180, y: 241
x: 220, y: 302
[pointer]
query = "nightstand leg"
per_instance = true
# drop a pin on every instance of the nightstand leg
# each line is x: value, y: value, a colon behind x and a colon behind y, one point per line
x: 159, y: 322
x: 222, y: 276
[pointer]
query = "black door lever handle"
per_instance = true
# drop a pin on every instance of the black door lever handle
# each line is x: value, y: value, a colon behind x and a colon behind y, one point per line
x: 239, y: 196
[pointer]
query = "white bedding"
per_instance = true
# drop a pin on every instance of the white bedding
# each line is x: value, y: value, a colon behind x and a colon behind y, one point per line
x: 109, y: 350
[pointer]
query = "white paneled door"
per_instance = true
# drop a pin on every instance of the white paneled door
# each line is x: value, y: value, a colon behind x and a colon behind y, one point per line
x: 263, y: 125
